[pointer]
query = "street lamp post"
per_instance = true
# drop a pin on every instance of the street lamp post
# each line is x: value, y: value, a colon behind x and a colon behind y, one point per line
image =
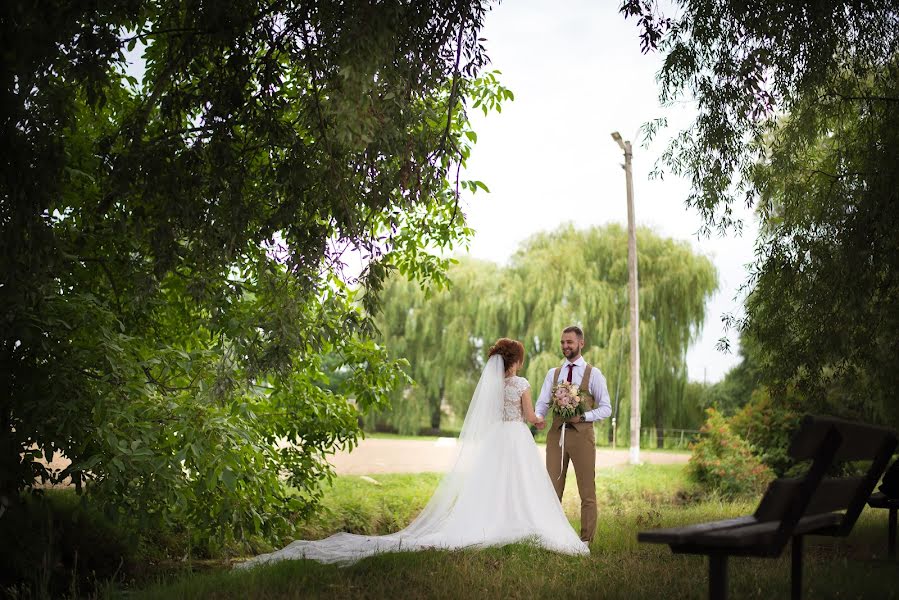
x: 634, y: 302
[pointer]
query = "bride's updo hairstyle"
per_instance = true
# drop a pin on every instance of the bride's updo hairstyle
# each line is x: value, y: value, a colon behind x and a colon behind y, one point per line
x: 512, y: 351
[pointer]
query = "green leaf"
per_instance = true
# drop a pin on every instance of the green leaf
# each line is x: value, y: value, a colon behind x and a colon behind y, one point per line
x: 229, y: 479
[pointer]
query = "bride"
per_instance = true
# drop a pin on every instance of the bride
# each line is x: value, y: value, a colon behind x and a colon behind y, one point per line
x: 498, y: 491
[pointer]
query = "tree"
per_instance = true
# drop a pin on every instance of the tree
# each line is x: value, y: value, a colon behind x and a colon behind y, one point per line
x: 693, y: 406
x: 797, y: 116
x: 736, y: 389
x: 555, y: 279
x: 579, y: 277
x: 443, y: 335
x: 174, y: 245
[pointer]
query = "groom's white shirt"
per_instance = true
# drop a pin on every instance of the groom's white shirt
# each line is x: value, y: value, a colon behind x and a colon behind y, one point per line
x: 597, y: 387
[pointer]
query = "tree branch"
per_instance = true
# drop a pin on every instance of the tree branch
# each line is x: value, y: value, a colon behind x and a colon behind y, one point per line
x: 864, y: 98
x: 316, y: 91
x: 454, y: 90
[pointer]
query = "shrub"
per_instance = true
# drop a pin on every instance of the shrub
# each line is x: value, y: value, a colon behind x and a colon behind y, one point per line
x: 723, y: 462
x: 56, y: 545
x: 768, y: 424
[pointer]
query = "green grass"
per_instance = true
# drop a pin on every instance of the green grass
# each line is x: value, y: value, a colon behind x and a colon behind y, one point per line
x: 540, y: 438
x: 374, y: 505
x: 630, y: 499
x: 523, y: 572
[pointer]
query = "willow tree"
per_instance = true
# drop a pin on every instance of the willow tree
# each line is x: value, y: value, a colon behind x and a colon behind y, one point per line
x: 554, y: 280
x: 798, y: 115
x: 572, y: 276
x: 441, y: 335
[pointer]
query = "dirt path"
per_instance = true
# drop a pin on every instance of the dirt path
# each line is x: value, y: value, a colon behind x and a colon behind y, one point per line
x: 419, y: 456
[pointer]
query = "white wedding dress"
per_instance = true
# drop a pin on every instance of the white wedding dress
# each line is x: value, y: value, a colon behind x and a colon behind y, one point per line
x: 498, y: 491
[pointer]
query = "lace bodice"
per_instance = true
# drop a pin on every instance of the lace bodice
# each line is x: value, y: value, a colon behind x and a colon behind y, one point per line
x: 513, y: 388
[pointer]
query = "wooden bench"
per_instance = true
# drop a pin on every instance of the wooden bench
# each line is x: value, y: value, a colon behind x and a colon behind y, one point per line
x: 793, y: 507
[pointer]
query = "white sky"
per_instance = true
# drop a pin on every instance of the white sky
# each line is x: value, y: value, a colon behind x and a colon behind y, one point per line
x: 577, y: 73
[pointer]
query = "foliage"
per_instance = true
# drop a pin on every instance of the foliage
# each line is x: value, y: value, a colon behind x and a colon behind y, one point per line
x: 442, y: 335
x: 768, y: 426
x: 746, y: 62
x: 693, y: 404
x: 174, y: 242
x: 61, y: 548
x: 587, y: 287
x: 735, y: 391
x: 572, y: 276
x: 826, y: 296
x: 723, y: 462
x: 797, y: 116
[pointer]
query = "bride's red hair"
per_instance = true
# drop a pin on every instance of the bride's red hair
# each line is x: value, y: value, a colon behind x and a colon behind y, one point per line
x: 512, y: 351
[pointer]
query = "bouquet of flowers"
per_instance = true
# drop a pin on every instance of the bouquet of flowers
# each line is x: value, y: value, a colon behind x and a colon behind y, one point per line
x: 565, y: 400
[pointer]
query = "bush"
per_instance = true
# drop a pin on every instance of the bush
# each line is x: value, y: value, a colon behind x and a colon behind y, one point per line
x: 723, y: 462
x: 768, y: 426
x: 56, y: 545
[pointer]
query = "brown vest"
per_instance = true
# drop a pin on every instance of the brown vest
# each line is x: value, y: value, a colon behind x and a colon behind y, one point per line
x: 584, y: 391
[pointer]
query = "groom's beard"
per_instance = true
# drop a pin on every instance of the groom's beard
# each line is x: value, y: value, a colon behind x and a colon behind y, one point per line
x: 569, y: 354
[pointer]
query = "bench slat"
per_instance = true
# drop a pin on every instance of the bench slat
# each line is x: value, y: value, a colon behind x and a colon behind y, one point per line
x: 860, y: 441
x: 835, y: 495
x: 762, y: 534
x: 740, y: 532
x: 832, y: 494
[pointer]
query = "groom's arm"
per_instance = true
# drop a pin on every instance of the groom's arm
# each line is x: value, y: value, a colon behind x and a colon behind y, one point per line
x: 542, y: 406
x: 600, y: 393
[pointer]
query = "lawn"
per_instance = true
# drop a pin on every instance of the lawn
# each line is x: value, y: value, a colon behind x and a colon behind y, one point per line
x: 630, y: 499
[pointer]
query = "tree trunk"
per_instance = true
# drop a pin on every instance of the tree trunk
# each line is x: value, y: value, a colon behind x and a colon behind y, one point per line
x: 11, y: 465
x: 660, y: 431
x: 435, y: 409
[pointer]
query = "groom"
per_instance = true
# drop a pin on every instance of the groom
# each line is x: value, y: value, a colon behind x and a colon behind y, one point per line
x: 580, y: 438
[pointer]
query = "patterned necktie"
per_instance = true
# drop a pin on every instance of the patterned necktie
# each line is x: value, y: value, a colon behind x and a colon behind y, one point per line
x: 570, y: 371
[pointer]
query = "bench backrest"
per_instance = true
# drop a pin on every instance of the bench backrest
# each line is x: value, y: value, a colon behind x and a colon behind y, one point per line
x: 827, y: 441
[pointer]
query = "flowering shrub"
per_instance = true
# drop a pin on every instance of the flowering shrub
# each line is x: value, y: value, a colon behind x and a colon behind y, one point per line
x: 723, y: 462
x: 768, y: 426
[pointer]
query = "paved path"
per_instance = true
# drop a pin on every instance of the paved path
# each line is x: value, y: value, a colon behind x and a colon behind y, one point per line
x: 379, y: 455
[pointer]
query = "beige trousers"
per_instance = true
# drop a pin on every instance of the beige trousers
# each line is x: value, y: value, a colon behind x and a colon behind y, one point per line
x: 580, y: 449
